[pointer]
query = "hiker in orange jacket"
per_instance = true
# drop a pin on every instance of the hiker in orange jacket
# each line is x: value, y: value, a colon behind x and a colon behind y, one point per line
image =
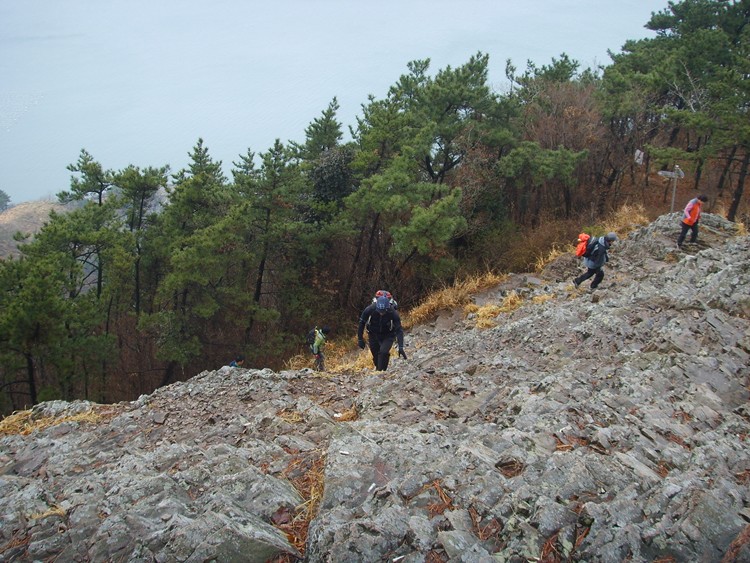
x: 690, y: 218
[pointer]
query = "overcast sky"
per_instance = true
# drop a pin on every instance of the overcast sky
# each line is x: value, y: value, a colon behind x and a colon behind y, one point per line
x: 140, y: 81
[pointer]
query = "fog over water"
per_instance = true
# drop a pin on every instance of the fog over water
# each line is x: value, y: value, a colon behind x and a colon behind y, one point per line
x: 139, y: 82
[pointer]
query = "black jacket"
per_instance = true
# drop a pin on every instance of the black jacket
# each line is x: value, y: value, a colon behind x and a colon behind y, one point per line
x: 388, y: 323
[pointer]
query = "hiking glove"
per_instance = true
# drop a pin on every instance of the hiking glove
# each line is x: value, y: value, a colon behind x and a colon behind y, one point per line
x: 361, y: 344
x: 402, y: 353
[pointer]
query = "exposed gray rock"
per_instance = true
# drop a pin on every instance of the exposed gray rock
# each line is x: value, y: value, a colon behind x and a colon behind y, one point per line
x: 603, y: 426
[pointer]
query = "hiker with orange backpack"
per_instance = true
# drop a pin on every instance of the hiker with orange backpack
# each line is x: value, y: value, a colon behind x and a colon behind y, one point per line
x: 594, y: 258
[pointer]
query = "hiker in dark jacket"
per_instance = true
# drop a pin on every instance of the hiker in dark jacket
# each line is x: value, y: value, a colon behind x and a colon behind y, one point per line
x: 596, y: 259
x: 383, y: 325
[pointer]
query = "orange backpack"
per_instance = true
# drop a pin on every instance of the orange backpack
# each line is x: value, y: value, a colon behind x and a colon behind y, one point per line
x: 583, y: 244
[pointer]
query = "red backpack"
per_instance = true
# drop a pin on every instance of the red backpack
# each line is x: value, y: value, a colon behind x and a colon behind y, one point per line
x: 583, y: 245
x: 385, y: 293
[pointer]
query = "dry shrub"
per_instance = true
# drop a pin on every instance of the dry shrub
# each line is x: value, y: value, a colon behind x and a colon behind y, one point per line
x: 533, y: 248
x: 625, y: 219
x: 453, y: 297
x: 355, y: 360
x: 550, y: 553
x: 743, y: 477
x: 663, y: 468
x: 552, y: 254
x: 23, y: 422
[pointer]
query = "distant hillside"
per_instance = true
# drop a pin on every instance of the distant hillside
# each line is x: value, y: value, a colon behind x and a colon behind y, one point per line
x: 27, y: 217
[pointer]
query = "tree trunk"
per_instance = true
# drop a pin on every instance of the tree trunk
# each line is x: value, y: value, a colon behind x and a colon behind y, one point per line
x: 369, y: 267
x: 698, y: 174
x: 740, y: 188
x: 168, y: 373
x: 725, y: 172
x: 137, y: 280
x: 346, y: 294
x: 30, y: 378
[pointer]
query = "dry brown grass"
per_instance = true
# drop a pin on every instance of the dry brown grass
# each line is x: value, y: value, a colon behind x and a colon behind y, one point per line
x: 17, y: 540
x: 537, y: 299
x: 292, y: 417
x: 487, y: 531
x: 310, y: 486
x: 553, y: 254
x: 53, y: 510
x: 626, y: 219
x: 486, y: 315
x: 733, y: 553
x: 23, y: 422
x: 454, y: 297
x: 444, y: 502
x: 511, y: 302
x: 338, y: 355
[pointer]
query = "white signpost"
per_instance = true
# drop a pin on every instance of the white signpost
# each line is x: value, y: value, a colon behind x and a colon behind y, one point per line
x: 675, y: 175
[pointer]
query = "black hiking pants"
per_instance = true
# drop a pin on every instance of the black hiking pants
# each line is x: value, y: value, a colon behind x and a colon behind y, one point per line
x: 320, y: 360
x: 596, y: 273
x: 380, y: 348
x: 685, y: 228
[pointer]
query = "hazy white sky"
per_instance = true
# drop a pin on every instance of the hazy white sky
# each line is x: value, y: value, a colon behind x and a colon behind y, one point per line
x: 139, y: 81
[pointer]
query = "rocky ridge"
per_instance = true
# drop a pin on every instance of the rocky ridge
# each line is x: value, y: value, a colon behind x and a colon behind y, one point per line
x: 583, y: 426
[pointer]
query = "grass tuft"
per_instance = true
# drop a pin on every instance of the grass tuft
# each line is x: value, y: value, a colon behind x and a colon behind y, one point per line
x: 24, y: 423
x: 53, y: 510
